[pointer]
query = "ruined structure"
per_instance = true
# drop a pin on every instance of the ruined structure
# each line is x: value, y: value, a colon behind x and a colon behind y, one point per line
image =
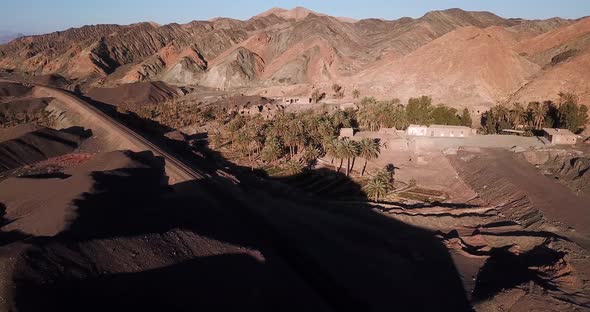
x: 559, y: 136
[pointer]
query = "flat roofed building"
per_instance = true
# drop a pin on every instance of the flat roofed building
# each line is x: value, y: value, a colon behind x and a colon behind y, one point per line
x: 560, y: 136
x: 297, y: 100
x: 440, y: 131
x: 346, y: 133
x: 417, y: 130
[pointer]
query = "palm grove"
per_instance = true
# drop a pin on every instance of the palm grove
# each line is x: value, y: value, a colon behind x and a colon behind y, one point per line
x: 566, y: 113
x: 291, y: 142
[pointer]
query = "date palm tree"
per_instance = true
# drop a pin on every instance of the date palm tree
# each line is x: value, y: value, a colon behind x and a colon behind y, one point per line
x: 368, y: 149
x: 376, y: 188
x: 331, y: 147
x: 501, y: 114
x: 537, y: 113
x: 349, y: 150
x: 293, y: 167
x: 272, y: 150
x: 517, y: 115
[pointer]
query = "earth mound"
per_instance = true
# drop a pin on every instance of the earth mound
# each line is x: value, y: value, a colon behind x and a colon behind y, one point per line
x: 29, y: 144
x: 52, y: 80
x: 13, y: 90
x: 141, y: 93
x: 135, y: 244
x: 29, y: 106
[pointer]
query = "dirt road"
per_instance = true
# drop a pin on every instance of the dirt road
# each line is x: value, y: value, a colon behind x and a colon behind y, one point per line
x: 121, y: 136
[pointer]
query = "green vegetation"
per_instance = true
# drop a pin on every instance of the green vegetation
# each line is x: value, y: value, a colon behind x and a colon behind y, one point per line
x: 317, y: 95
x: 338, y: 91
x: 565, y: 114
x: 466, y: 118
x: 368, y: 150
x: 373, y: 115
x: 175, y: 114
x: 293, y: 141
x: 379, y: 185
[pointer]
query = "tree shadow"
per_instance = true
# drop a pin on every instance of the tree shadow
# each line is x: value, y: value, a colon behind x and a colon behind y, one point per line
x: 79, y: 131
x: 324, y: 183
x: 318, y: 253
x: 429, y: 205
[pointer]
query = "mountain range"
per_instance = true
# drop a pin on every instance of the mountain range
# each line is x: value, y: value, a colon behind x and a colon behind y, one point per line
x: 460, y: 58
x: 7, y: 36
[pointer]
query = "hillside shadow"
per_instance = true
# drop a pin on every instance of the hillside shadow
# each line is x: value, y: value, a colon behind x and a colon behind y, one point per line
x: 318, y: 254
x: 516, y: 270
x: 7, y: 237
x: 227, y: 282
x: 324, y: 183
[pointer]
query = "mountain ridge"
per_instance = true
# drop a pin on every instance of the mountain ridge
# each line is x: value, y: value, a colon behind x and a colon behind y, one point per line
x: 303, y: 48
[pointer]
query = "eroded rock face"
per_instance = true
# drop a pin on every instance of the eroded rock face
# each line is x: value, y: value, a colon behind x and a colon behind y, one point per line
x: 142, y: 93
x: 239, y: 69
x: 568, y: 167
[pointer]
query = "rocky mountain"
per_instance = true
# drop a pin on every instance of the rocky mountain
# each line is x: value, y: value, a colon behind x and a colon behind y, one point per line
x: 460, y: 58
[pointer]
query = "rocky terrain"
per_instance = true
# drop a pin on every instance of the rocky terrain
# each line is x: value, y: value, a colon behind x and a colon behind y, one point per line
x: 127, y: 179
x: 484, y: 58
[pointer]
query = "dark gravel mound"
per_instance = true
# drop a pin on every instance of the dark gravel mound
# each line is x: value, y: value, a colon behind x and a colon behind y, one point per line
x: 30, y: 106
x: 52, y: 80
x: 32, y: 146
x: 142, y: 93
x: 12, y: 89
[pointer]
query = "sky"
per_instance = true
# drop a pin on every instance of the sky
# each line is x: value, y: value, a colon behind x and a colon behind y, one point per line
x: 43, y: 16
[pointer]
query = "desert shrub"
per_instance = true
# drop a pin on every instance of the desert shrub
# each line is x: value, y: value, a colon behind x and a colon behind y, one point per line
x: 317, y: 95
x: 338, y: 91
x: 356, y: 94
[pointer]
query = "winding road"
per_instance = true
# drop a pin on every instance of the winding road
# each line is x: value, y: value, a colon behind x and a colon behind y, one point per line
x: 176, y: 170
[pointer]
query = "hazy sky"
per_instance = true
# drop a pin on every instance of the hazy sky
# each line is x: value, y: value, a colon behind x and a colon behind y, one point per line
x: 40, y: 16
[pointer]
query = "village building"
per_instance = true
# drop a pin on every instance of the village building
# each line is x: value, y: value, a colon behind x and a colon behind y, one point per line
x: 346, y: 133
x: 559, y: 136
x: 297, y: 100
x: 390, y: 131
x: 478, y: 110
x: 440, y: 131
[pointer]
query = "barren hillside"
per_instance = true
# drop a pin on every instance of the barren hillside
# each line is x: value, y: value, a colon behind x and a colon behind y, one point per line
x: 470, y: 65
x: 460, y: 58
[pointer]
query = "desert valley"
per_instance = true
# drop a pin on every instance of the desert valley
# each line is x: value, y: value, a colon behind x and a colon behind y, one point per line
x: 298, y: 161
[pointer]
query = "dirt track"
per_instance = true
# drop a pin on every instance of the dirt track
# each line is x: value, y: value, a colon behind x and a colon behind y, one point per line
x: 120, y: 136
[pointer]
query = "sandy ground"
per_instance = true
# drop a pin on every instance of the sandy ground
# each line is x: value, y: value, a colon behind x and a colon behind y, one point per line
x: 424, y: 159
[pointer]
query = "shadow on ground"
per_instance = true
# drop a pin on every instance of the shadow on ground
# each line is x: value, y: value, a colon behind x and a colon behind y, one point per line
x: 218, y: 244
